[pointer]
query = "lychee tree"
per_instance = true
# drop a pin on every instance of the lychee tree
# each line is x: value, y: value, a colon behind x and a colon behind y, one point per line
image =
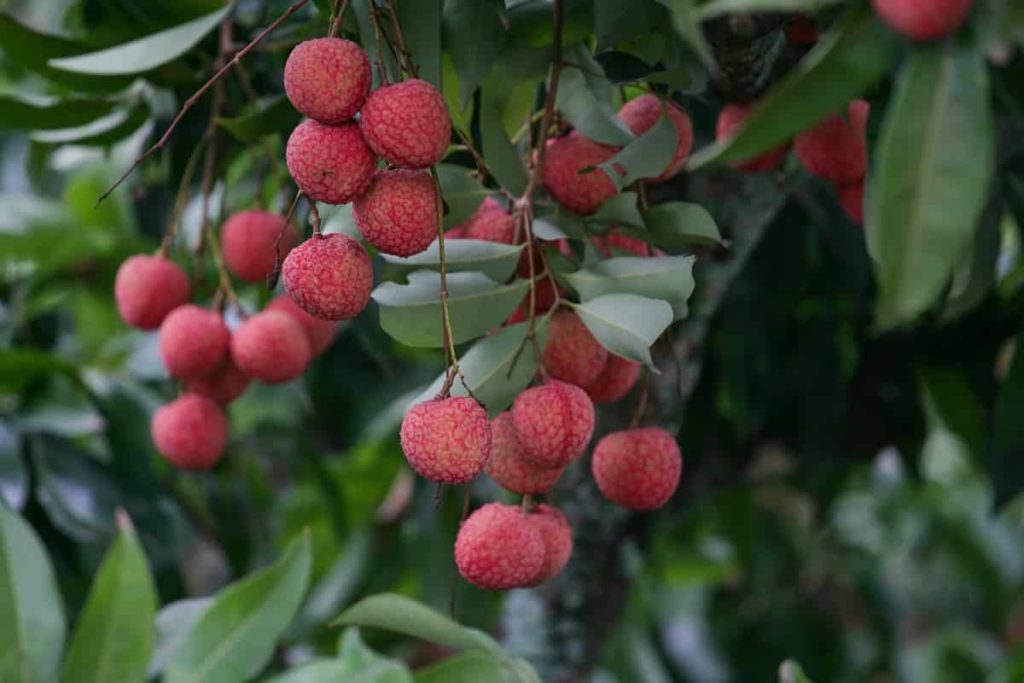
x: 405, y: 315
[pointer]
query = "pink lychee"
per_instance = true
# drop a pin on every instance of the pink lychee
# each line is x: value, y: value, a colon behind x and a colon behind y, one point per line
x: 329, y: 277
x: 730, y: 119
x: 923, y: 19
x: 497, y: 548
x: 641, y: 113
x: 637, y: 468
x: 327, y: 79
x: 330, y: 164
x: 147, y: 288
x: 556, y: 532
x: 508, y: 468
x: 851, y: 200
x: 320, y: 333
x: 572, y: 353
x: 564, y: 160
x: 447, y: 440
x: 615, y: 241
x: 491, y: 222
x: 555, y: 422
x: 835, y: 148
x: 407, y: 123
x: 617, y: 377
x: 247, y: 241
x: 190, y: 432
x: 224, y: 385
x: 398, y: 214
x: 193, y: 342
x: 272, y: 347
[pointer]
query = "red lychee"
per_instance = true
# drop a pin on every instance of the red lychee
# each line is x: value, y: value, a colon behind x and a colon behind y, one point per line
x: 851, y: 199
x: 447, y: 440
x: 224, y: 385
x: 272, y: 347
x: 191, y: 432
x: 555, y: 422
x: 147, y: 288
x: 571, y: 353
x: 923, y: 19
x: 193, y: 342
x: 835, y: 148
x: 329, y: 277
x: 615, y: 241
x: 491, y: 223
x: 247, y: 241
x: 407, y: 123
x: 506, y: 465
x: 498, y: 548
x: 565, y: 157
x: 617, y: 377
x: 327, y: 79
x: 398, y: 214
x: 730, y: 119
x: 641, y: 113
x: 638, y: 468
x: 320, y: 333
x: 556, y: 532
x: 330, y: 164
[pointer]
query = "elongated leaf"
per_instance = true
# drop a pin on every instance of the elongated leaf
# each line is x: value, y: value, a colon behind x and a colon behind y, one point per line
x: 849, y: 59
x: 626, y: 324
x: 501, y: 156
x: 667, y: 277
x: 173, y: 622
x: 22, y: 114
x: 462, y: 193
x: 583, y: 99
x: 400, y: 614
x: 269, y: 118
x: 234, y: 638
x: 411, y: 313
x: 678, y: 225
x: 495, y: 260
x: 13, y: 477
x: 421, y: 26
x: 686, y: 22
x: 934, y: 162
x: 620, y: 210
x: 470, y: 667
x: 473, y: 35
x: 31, y: 614
x: 645, y: 157
x: 113, y: 638
x: 100, y: 132
x: 717, y: 8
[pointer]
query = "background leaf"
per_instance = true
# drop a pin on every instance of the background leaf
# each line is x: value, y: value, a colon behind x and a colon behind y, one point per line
x: 666, y: 277
x: 679, y: 225
x: 473, y: 35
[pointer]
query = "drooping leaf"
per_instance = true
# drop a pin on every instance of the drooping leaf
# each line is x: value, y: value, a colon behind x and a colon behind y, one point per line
x: 669, y: 278
x: 626, y: 324
x: 679, y: 225
x: 620, y: 210
x: 473, y: 35
x: 421, y: 27
x: 583, y: 99
x: 269, y: 118
x: 498, y: 150
x: 22, y: 114
x: 462, y: 193
x: 495, y: 260
x: 645, y: 157
x: 933, y: 164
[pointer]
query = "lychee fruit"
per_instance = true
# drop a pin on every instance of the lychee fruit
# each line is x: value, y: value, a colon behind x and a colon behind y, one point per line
x: 638, y: 468
x: 851, y: 200
x: 320, y: 333
x: 247, y: 241
x: 923, y: 19
x: 497, y: 548
x: 329, y: 277
x: 147, y: 288
x: 447, y: 440
x: 564, y: 160
x: 327, y: 79
x: 556, y: 532
x: 617, y: 377
x: 272, y: 347
x: 730, y: 119
x: 641, y: 113
x: 190, y: 432
x: 193, y: 342
x: 506, y: 465
x: 615, y: 241
x: 398, y: 214
x: 407, y: 123
x: 555, y: 422
x: 571, y: 353
x: 330, y: 164
x: 835, y: 148
x: 491, y: 222
x: 223, y: 385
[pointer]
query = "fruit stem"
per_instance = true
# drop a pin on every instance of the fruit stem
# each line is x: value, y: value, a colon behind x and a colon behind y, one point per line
x: 446, y: 319
x: 337, y: 17
x: 641, y: 404
x: 529, y: 504
x: 275, y: 274
x: 381, y: 71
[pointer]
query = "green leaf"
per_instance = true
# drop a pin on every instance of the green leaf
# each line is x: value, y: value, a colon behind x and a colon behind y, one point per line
x: 403, y: 615
x: 462, y: 193
x: 356, y: 663
x: 411, y: 313
x: 620, y: 210
x: 473, y: 35
x: 849, y: 59
x: 144, y: 54
x: 421, y: 27
x: 679, y: 225
x: 626, y: 324
x: 173, y: 622
x: 321, y: 670
x: 686, y: 22
x: 270, y: 118
x: 31, y: 613
x: 790, y: 671
x: 113, y: 638
x: 470, y: 667
x: 662, y: 277
x: 13, y: 477
x: 22, y: 114
x: 584, y: 100
x: 501, y: 156
x: 933, y: 163
x: 1002, y: 456
x: 101, y: 132
x: 645, y: 157
x: 234, y: 639
x: 495, y: 260
x: 717, y: 8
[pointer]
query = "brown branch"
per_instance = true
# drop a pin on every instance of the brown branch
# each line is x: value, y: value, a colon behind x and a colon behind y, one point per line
x: 275, y: 274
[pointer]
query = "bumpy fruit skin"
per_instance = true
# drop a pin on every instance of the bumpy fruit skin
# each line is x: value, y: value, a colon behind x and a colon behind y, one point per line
x: 327, y: 79
x: 835, y: 148
x: 490, y: 222
x: 193, y: 342
x: 616, y: 379
x: 272, y: 347
x: 555, y: 422
x: 564, y: 159
x: 190, y: 432
x: 556, y: 532
x: 498, y: 548
x: 330, y: 164
x: 730, y: 119
x: 447, y: 440
x: 637, y: 468
x: 571, y: 353
x: 923, y: 19
x: 613, y: 242
x: 851, y: 199
x: 247, y: 240
x: 329, y: 277
x: 398, y: 214
x: 320, y: 333
x: 407, y: 123
x: 508, y: 468
x: 224, y: 385
x: 147, y: 288
x: 641, y: 113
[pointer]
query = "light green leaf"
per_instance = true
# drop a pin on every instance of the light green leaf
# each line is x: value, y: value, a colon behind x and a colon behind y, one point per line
x: 583, y: 99
x: 790, y: 671
x: 421, y: 27
x: 173, y: 622
x: 645, y: 157
x: 470, y: 667
x: 31, y: 613
x: 462, y: 193
x: 626, y: 324
x: 13, y: 473
x: 933, y: 165
x: 270, y: 117
x: 411, y: 313
x: 356, y: 663
x: 620, y: 210
x: 678, y: 225
x: 495, y: 260
x: 113, y: 639
x: 502, y: 159
x: 662, y: 277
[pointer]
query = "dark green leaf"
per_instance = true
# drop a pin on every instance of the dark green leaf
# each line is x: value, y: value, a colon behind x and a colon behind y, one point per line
x: 645, y: 157
x: 502, y: 159
x: 470, y: 667
x: 620, y: 210
x: 473, y: 35
x: 13, y: 477
x: 665, y: 277
x: 462, y: 192
x: 626, y: 324
x: 1002, y: 457
x: 717, y: 8
x: 495, y: 260
x: 678, y: 225
x: 686, y: 21
x: 21, y: 114
x: 584, y: 100
x: 421, y: 27
x: 79, y: 495
x: 270, y: 118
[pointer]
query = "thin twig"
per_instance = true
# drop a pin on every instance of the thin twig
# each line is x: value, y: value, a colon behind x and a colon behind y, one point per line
x: 275, y: 274
x: 337, y: 18
x: 641, y: 404
x: 381, y: 71
x: 452, y: 361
